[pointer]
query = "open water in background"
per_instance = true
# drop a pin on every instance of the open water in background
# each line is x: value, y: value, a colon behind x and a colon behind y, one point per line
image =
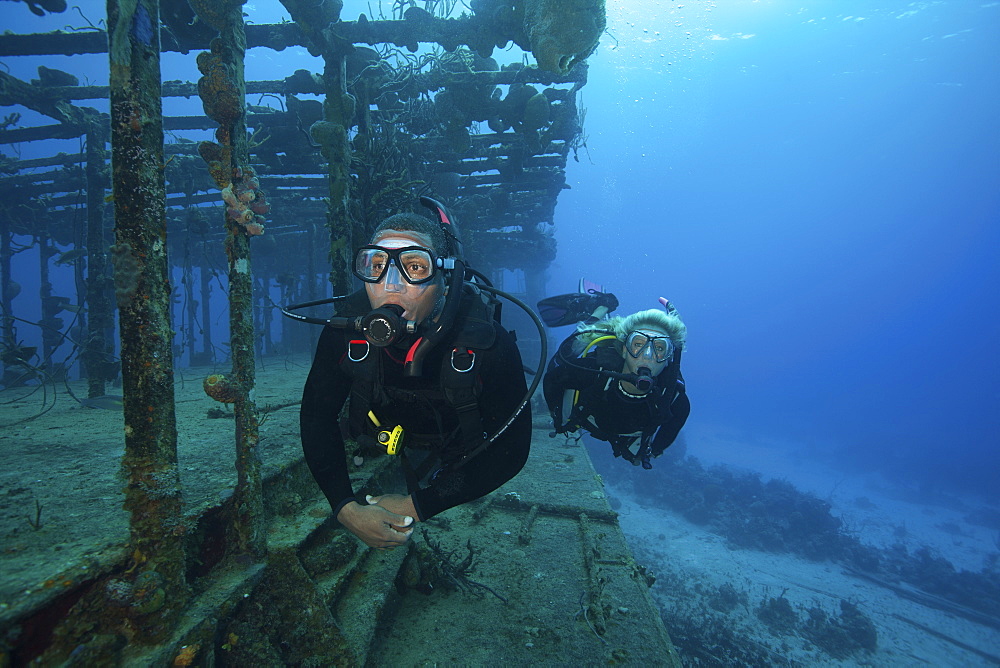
x: 815, y: 185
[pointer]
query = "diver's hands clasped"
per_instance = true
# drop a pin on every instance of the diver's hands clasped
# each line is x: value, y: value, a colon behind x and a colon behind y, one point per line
x: 386, y: 522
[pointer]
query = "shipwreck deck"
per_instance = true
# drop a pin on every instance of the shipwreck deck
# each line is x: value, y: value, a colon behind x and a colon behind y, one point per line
x: 563, y: 587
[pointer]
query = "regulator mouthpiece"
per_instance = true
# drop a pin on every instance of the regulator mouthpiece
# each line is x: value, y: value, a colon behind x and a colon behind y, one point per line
x: 385, y: 325
x: 643, y: 380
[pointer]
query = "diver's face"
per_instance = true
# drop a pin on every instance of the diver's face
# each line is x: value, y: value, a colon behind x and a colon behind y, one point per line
x: 417, y: 300
x: 647, y: 351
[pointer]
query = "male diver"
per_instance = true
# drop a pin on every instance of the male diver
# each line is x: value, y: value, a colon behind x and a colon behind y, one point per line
x: 428, y: 373
x: 617, y: 378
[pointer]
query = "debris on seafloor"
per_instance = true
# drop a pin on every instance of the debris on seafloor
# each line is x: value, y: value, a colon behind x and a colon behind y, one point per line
x: 430, y: 566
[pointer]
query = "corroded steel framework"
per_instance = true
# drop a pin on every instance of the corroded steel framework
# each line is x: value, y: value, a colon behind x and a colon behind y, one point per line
x: 409, y: 104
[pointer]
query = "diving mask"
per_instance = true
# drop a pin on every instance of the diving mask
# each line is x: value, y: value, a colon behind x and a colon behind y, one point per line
x: 649, y: 346
x: 414, y: 264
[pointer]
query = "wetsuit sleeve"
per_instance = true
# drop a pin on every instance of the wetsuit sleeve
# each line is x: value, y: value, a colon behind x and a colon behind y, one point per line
x: 326, y: 390
x: 560, y: 377
x: 504, y: 388
x: 667, y: 433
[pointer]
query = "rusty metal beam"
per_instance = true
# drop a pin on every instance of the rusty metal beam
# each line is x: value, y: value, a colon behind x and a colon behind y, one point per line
x: 142, y: 290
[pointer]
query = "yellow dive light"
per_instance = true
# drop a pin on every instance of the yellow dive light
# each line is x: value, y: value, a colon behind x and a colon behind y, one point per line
x: 391, y: 439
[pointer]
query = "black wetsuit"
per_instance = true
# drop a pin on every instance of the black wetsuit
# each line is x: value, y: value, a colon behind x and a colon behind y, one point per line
x: 606, y: 411
x: 418, y: 404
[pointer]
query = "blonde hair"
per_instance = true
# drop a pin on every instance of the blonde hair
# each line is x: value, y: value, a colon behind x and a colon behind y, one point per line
x: 620, y: 327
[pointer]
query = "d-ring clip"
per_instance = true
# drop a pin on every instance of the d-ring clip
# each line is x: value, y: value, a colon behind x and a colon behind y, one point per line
x: 469, y: 355
x: 357, y: 343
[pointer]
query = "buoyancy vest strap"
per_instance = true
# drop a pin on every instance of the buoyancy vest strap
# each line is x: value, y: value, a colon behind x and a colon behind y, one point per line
x: 591, y: 346
x: 673, y: 374
x: 364, y: 372
x: 460, y: 383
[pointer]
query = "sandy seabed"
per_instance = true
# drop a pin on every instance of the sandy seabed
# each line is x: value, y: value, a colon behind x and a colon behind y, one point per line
x: 61, y: 495
x: 693, y: 563
x: 67, y: 462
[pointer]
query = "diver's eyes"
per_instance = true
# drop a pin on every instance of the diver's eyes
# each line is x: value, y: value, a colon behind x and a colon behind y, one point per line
x: 637, y: 344
x: 416, y: 265
x: 378, y: 262
x: 660, y: 347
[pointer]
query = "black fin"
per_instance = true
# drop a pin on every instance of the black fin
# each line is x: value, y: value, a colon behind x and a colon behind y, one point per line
x: 576, y: 307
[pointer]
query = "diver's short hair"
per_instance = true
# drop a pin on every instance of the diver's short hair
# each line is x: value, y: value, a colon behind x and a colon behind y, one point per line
x: 412, y: 222
x: 620, y: 327
x: 672, y: 325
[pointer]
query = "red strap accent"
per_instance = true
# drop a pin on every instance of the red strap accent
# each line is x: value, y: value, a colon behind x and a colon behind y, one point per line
x: 409, y: 353
x: 443, y: 215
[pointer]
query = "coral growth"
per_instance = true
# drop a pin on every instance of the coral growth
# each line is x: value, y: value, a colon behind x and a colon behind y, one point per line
x: 126, y: 273
x: 147, y: 593
x: 563, y: 32
x: 843, y: 635
x: 219, y: 91
x: 187, y: 655
x: 217, y: 158
x: 213, y: 12
x: 142, y: 596
x: 727, y: 598
x: 221, y: 388
x: 778, y: 615
x: 328, y: 550
x: 246, y: 203
x: 431, y: 567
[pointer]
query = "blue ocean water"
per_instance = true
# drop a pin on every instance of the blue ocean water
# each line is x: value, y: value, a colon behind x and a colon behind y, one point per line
x: 817, y: 188
x: 815, y: 185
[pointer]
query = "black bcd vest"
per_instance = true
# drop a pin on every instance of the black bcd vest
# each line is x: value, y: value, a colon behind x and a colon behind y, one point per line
x: 459, y: 382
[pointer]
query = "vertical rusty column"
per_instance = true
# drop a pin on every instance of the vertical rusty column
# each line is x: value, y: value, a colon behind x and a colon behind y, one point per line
x: 316, y: 19
x: 266, y: 315
x: 10, y: 291
x: 247, y: 528
x: 191, y: 306
x: 205, y: 279
x: 51, y: 325
x: 142, y: 290
x: 314, y: 283
x: 97, y: 349
x: 331, y: 135
x: 222, y: 89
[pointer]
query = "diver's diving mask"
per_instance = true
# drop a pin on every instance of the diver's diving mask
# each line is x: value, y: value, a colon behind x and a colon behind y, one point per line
x: 648, y: 346
x: 414, y: 264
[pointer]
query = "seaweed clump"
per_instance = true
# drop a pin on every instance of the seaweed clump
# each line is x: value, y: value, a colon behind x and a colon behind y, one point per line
x: 727, y: 598
x: 773, y: 516
x: 777, y: 614
x: 705, y: 635
x: 843, y: 635
x: 430, y: 567
x: 770, y: 516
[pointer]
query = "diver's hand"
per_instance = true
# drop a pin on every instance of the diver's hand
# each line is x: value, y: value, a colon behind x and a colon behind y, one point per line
x: 395, y: 503
x: 376, y: 526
